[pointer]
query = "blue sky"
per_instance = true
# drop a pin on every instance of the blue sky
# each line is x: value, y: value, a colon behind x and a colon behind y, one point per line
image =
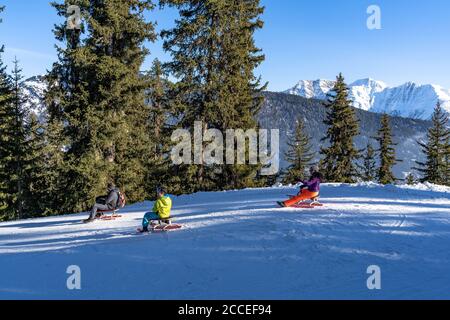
x: 302, y: 39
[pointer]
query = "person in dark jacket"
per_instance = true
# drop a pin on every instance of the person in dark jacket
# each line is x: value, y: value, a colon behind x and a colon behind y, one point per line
x: 309, y: 190
x: 105, y: 203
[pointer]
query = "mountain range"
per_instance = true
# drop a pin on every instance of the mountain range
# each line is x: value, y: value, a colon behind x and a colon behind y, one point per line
x: 281, y: 111
x: 409, y: 100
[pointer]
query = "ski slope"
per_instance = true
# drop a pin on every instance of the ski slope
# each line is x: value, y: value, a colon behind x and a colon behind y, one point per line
x: 238, y: 245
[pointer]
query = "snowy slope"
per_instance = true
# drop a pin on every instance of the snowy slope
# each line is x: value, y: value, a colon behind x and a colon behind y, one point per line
x: 237, y: 245
x: 408, y: 100
x: 363, y: 93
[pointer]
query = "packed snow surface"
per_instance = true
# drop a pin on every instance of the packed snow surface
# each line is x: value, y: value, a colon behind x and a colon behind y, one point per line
x: 239, y: 245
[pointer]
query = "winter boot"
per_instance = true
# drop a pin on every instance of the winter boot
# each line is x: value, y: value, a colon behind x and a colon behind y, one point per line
x: 143, y: 230
x: 88, y: 220
x: 281, y: 204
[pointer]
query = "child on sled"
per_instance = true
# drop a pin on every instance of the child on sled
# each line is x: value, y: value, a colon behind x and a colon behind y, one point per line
x: 309, y: 190
x: 161, y: 210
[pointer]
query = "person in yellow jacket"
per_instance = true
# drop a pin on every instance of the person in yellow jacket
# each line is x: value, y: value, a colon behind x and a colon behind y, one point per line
x: 161, y: 210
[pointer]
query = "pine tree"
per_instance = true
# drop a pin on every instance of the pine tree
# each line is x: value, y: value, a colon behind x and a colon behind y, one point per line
x: 369, y: 166
x: 19, y: 138
x: 48, y: 179
x: 44, y: 188
x: 6, y: 119
x: 159, y: 127
x: 411, y: 179
x: 338, y: 162
x: 447, y: 161
x: 214, y: 58
x: 436, y: 167
x: 34, y: 168
x: 97, y: 93
x: 299, y: 155
x: 386, y: 152
x: 13, y: 147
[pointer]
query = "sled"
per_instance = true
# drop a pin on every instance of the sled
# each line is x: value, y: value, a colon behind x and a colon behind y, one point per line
x: 114, y: 212
x: 315, y: 202
x: 162, y: 225
x: 110, y: 217
x: 113, y: 216
x: 305, y: 205
x: 161, y: 228
x: 165, y: 228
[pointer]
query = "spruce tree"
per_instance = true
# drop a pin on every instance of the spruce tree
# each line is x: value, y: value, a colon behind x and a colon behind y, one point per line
x: 214, y: 58
x: 20, y: 141
x: 48, y: 179
x: 159, y: 128
x: 13, y: 146
x: 299, y: 155
x: 410, y: 179
x: 436, y: 149
x: 338, y: 163
x: 386, y: 152
x: 447, y: 161
x: 97, y: 93
x: 6, y: 131
x: 34, y: 168
x: 44, y: 187
x: 369, y: 166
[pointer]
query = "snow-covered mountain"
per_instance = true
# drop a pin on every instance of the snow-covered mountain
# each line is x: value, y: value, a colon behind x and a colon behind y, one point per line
x: 409, y: 100
x: 33, y: 89
x: 281, y: 111
x: 317, y: 89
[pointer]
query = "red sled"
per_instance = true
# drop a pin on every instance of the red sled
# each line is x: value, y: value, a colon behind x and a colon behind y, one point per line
x: 162, y: 225
x: 161, y: 228
x: 164, y: 228
x: 307, y: 205
x: 114, y: 215
x: 110, y: 217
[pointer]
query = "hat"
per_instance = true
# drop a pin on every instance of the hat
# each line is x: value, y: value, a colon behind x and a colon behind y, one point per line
x: 160, y: 190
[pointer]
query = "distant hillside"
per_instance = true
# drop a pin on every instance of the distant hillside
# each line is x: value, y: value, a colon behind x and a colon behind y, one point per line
x: 281, y: 110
